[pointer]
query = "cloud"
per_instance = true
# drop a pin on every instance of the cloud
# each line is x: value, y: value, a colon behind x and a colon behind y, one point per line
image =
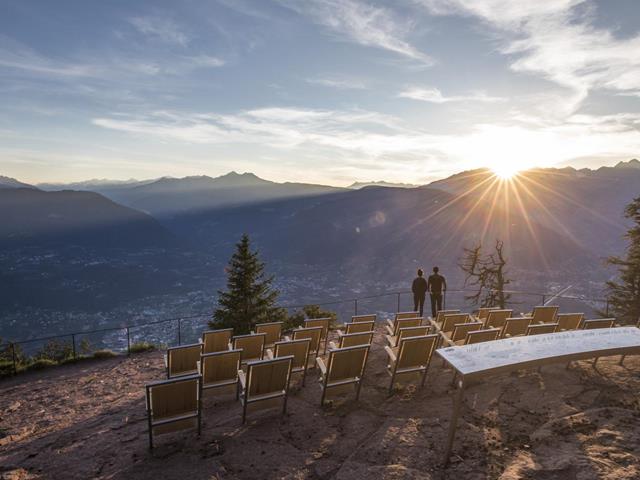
x: 433, y: 95
x: 164, y: 29
x: 361, y: 23
x: 558, y: 41
x: 338, y: 83
x: 362, y: 137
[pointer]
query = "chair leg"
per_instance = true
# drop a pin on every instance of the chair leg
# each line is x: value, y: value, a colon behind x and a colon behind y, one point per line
x: 324, y: 391
x: 595, y: 361
x: 238, y: 389
x: 393, y: 378
x: 358, y: 390
x: 304, y: 375
x: 284, y: 406
x: 244, y: 412
x: 621, y: 360
x: 424, y: 378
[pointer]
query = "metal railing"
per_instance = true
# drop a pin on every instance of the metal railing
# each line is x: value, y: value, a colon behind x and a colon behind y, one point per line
x: 356, y: 302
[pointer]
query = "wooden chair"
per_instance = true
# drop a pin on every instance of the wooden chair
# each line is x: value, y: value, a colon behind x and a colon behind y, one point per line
x: 266, y: 382
x: 461, y: 330
x: 480, y: 336
x: 371, y: 317
x: 440, y: 316
x: 313, y: 334
x: 298, y: 349
x: 357, y: 327
x: 216, y: 340
x: 450, y: 321
x: 325, y: 323
x: 405, y: 332
x: 252, y: 346
x: 514, y: 327
x: 219, y: 371
x: 344, y: 367
x: 483, y: 312
x: 272, y: 331
x: 401, y: 316
x: 569, y: 321
x: 352, y: 340
x: 497, y: 318
x: 598, y: 323
x: 542, y: 328
x: 182, y: 360
x: 544, y: 314
x: 403, y: 323
x: 412, y: 356
x: 173, y: 405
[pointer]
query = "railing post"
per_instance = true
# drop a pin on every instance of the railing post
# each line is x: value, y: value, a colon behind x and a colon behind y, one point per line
x: 606, y: 308
x: 544, y: 299
x: 128, y: 342
x: 13, y: 356
x: 398, y: 302
x: 444, y: 300
x: 179, y: 331
x: 73, y: 343
x: 355, y: 306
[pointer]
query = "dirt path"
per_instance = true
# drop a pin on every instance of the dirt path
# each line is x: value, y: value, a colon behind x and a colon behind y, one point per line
x: 88, y: 421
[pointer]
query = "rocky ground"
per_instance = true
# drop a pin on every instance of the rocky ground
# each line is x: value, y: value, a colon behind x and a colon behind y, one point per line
x: 88, y: 421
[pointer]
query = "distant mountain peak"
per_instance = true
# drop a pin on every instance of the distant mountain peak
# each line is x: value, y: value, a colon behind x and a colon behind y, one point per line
x: 8, y: 182
x: 633, y: 163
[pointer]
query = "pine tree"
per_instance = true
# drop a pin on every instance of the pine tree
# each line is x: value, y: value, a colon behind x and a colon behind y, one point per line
x: 249, y: 298
x: 624, y: 295
x: 487, y: 274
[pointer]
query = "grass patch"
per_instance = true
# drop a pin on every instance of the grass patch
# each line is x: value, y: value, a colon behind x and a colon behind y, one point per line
x: 104, y: 353
x: 41, y: 363
x: 140, y: 347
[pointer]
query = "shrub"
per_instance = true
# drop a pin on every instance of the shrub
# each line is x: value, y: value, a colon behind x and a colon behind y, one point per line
x: 296, y: 319
x: 41, y: 363
x: 104, y: 353
x: 55, y: 350
x: 140, y: 347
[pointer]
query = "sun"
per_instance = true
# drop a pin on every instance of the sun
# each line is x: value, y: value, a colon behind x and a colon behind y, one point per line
x: 505, y: 171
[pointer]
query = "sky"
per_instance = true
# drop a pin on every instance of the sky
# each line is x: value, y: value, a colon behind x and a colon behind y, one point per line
x: 322, y: 91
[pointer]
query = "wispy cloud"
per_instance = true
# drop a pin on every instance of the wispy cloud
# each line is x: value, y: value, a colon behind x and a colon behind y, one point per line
x: 339, y: 83
x: 161, y: 28
x: 362, y: 23
x: 558, y: 41
x: 433, y: 95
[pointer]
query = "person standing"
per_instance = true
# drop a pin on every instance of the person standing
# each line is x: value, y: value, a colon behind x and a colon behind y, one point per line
x: 419, y: 289
x: 436, y: 285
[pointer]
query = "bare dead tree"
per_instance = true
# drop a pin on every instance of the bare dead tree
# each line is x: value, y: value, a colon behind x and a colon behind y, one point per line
x: 486, y: 275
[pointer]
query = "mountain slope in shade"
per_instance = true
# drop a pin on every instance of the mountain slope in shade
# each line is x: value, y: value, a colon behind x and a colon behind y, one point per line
x: 170, y: 196
x: 93, y: 185
x: 381, y: 183
x: 36, y: 218
x: 8, y: 182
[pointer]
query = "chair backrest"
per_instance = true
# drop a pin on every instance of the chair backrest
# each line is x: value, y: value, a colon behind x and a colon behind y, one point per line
x: 497, y: 318
x: 598, y: 323
x: 400, y: 315
x: 514, y: 327
x: 359, y: 327
x: 220, y: 366
x: 268, y: 376
x: 416, y: 351
x: 319, y: 322
x: 346, y: 363
x: 216, y: 340
x: 183, y: 360
x: 484, y: 311
x: 172, y: 398
x: 540, y: 328
x: 545, y: 314
x: 412, y: 332
x: 298, y: 349
x: 355, y: 339
x: 569, y: 321
x: 479, y: 336
x: 440, y: 315
x: 372, y: 317
x: 252, y: 345
x: 312, y: 333
x: 272, y: 330
x: 451, y: 320
x: 460, y: 330
x: 406, y: 322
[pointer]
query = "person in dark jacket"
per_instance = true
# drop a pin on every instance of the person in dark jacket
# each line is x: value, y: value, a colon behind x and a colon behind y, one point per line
x: 436, y: 285
x: 419, y: 289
